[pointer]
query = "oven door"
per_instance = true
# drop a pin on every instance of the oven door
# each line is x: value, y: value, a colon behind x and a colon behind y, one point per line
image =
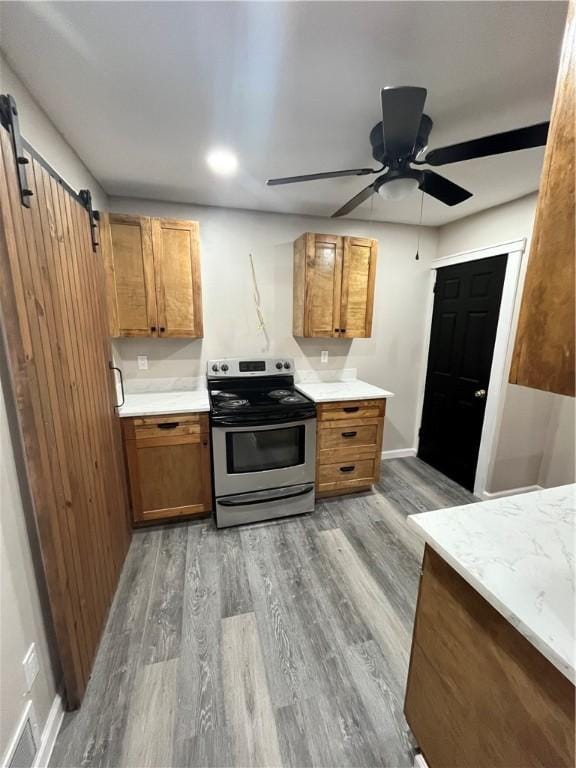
x: 254, y: 458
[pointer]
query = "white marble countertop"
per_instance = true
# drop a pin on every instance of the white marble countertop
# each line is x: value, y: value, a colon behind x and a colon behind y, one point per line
x: 157, y: 403
x: 518, y: 552
x: 332, y: 391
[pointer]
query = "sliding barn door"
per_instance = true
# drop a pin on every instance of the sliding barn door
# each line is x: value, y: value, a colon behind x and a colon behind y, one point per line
x: 56, y: 340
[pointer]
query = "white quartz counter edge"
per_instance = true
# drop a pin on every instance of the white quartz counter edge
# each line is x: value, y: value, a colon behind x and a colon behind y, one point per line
x: 159, y: 403
x: 333, y: 391
x: 559, y: 658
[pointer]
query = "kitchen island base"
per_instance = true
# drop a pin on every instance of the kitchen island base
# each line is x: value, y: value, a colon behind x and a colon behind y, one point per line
x: 478, y: 692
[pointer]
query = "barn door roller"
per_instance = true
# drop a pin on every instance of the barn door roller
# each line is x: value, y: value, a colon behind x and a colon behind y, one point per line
x: 93, y: 216
x: 9, y: 118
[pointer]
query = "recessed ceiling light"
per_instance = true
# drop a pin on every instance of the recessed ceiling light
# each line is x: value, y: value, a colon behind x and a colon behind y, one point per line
x: 222, y: 161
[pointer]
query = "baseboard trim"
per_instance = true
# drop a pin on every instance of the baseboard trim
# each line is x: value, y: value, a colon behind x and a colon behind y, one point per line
x: 399, y: 453
x: 511, y: 492
x: 50, y: 733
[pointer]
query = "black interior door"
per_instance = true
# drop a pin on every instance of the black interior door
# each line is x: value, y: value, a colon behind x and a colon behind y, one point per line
x: 464, y: 321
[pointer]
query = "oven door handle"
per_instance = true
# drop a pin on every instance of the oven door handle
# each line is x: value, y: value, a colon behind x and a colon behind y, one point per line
x: 247, y: 423
x: 240, y: 501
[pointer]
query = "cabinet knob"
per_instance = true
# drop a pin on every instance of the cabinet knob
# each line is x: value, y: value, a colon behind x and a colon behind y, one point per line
x: 336, y: 330
x: 162, y: 329
x: 152, y: 327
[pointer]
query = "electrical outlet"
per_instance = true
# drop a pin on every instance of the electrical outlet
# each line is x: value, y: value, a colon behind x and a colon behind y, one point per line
x: 142, y: 362
x: 324, y: 356
x: 31, y: 667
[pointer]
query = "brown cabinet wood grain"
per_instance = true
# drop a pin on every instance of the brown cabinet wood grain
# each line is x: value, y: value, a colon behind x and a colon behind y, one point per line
x: 348, y: 446
x: 153, y: 276
x: 479, y: 695
x: 169, y: 466
x: 545, y: 340
x: 333, y: 286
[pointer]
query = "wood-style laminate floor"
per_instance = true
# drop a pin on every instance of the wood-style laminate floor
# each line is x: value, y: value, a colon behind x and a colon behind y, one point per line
x: 277, y: 644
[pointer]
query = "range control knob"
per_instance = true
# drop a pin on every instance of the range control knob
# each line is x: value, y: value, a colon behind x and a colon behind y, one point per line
x: 224, y: 367
x: 279, y: 365
x: 286, y: 364
x: 215, y: 368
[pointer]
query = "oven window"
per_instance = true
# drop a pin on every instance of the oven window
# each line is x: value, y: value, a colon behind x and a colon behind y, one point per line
x: 265, y: 449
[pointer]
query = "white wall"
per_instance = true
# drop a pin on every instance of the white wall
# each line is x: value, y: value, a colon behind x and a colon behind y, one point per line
x: 21, y: 618
x: 20, y: 609
x: 535, y: 445
x: 392, y: 358
x: 510, y: 221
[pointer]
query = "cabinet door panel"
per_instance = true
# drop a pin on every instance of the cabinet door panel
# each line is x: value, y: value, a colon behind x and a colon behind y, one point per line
x: 177, y: 269
x: 127, y: 247
x: 358, y: 274
x: 323, y: 284
x: 170, y: 477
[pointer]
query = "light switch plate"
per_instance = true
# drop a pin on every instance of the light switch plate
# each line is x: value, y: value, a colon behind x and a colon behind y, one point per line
x: 324, y: 356
x: 142, y: 362
x: 31, y: 666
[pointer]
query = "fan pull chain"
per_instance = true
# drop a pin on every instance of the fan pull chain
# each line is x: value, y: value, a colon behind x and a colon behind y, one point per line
x: 420, y: 227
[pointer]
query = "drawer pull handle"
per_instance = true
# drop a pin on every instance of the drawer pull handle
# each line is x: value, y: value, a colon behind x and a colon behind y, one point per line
x: 349, y: 434
x: 351, y: 468
x: 351, y: 409
x: 168, y: 425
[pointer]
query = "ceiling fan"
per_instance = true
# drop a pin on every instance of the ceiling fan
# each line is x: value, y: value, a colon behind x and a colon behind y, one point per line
x: 399, y: 141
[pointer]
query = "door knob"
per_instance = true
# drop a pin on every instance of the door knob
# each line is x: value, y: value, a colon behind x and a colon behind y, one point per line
x: 480, y: 394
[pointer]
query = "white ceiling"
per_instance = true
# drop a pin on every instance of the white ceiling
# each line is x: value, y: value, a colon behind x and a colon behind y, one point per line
x: 143, y: 90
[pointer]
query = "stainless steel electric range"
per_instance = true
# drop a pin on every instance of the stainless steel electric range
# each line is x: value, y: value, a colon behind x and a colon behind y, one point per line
x: 263, y: 440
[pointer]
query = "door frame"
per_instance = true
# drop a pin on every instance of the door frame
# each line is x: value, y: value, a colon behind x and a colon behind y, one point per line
x: 503, y: 347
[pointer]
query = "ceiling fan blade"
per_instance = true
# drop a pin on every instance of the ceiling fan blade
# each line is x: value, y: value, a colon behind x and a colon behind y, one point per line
x: 497, y: 144
x: 443, y: 189
x: 401, y: 115
x: 355, y: 201
x: 316, y: 176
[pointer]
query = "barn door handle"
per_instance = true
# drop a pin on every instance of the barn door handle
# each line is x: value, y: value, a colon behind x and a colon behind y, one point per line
x: 114, y: 368
x: 480, y: 394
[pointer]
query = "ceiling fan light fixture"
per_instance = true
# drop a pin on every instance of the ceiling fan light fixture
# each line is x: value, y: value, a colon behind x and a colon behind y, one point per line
x: 398, y: 189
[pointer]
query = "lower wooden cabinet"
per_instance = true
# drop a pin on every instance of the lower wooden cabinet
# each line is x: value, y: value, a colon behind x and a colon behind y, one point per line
x: 169, y: 466
x: 479, y: 694
x: 348, y: 446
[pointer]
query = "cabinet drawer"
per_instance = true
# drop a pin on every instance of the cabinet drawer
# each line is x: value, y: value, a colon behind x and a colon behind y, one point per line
x: 172, y: 425
x: 167, y: 429
x: 354, y: 409
x: 345, y: 472
x: 347, y: 440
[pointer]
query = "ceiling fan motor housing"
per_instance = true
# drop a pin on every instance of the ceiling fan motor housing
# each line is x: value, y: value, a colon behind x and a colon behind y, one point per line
x: 378, y: 152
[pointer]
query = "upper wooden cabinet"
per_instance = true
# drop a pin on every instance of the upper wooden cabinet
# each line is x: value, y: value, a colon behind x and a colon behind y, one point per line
x: 333, y: 286
x: 153, y: 276
x: 545, y: 341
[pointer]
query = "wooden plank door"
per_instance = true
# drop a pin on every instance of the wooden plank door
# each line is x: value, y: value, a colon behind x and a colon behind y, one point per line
x: 323, y: 254
x: 52, y: 289
x: 178, y: 282
x: 358, y: 276
x: 127, y: 251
